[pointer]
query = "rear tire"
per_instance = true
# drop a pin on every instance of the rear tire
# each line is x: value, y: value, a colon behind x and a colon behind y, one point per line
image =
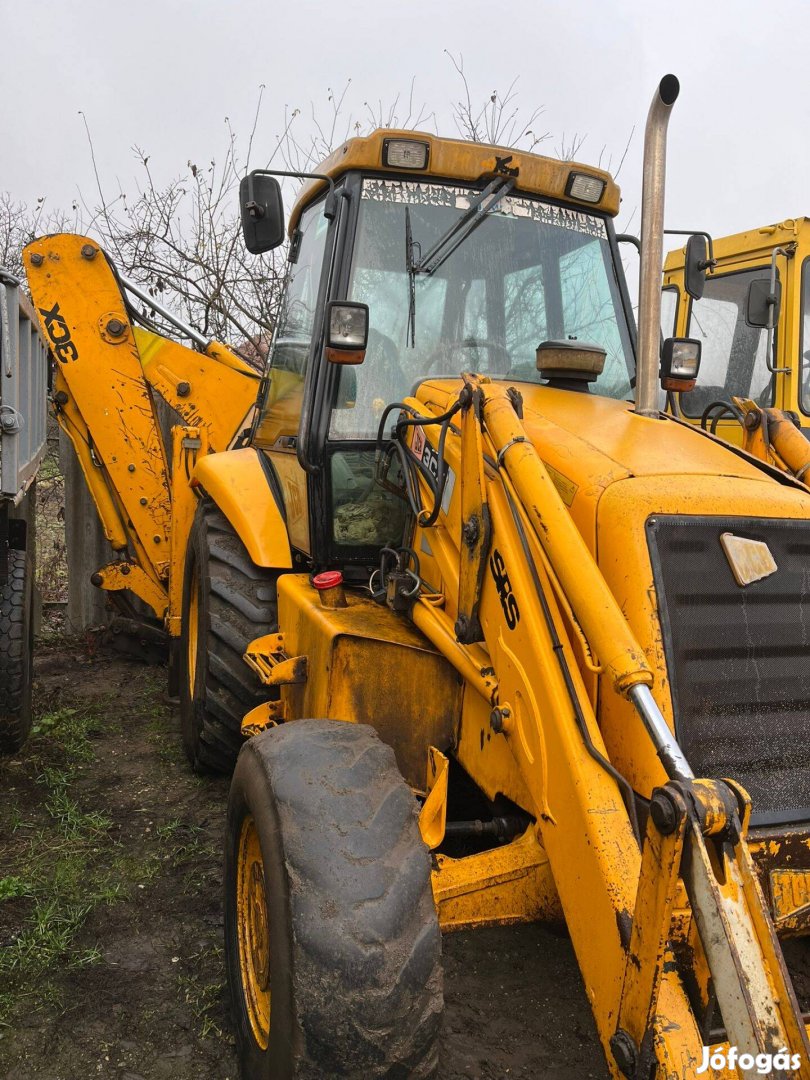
x: 227, y: 602
x: 16, y: 651
x: 332, y: 940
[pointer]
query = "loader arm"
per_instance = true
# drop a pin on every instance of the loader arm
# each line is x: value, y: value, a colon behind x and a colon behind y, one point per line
x: 772, y: 436
x: 107, y: 375
x: 540, y: 601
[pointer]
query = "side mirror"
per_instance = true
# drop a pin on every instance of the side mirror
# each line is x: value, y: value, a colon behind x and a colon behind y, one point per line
x: 346, y: 332
x: 761, y: 302
x: 262, y: 212
x: 680, y: 363
x: 695, y: 264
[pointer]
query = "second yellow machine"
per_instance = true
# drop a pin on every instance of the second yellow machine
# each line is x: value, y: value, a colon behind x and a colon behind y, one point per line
x: 485, y: 647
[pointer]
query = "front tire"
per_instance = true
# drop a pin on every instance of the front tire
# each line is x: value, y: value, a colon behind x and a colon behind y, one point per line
x: 16, y: 652
x: 332, y: 941
x: 227, y: 602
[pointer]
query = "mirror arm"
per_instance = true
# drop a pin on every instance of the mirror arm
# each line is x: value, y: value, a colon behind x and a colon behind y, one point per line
x: 330, y: 206
x: 709, y: 263
x: 629, y: 238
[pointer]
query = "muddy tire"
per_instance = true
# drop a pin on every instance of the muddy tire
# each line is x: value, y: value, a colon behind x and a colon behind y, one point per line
x: 332, y: 941
x: 16, y: 649
x: 227, y: 602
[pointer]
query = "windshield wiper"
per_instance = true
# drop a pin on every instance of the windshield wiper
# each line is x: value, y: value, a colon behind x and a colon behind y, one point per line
x: 410, y: 263
x: 480, y: 208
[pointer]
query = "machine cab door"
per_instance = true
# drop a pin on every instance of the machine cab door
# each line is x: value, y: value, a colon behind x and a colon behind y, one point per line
x: 734, y: 362
x: 297, y: 328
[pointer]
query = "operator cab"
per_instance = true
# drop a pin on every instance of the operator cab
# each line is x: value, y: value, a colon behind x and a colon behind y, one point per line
x: 751, y: 316
x: 472, y: 273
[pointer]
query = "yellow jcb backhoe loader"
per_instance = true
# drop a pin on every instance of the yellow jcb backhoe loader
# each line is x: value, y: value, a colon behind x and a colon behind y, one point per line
x: 511, y: 650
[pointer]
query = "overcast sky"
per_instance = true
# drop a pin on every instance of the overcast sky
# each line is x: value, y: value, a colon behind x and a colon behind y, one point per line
x: 163, y: 75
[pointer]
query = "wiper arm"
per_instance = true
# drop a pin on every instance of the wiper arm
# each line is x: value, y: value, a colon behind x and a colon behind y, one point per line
x: 479, y: 208
x: 469, y: 221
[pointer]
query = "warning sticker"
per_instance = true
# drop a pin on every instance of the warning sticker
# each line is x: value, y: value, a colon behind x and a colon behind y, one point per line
x: 418, y: 442
x: 566, y: 488
x: 421, y: 449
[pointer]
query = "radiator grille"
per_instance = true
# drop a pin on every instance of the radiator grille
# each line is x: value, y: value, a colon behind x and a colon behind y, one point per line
x: 739, y: 657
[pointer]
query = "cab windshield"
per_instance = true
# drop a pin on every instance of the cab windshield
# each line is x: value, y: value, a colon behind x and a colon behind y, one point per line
x: 532, y: 271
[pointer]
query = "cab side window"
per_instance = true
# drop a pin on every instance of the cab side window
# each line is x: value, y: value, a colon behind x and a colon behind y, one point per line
x: 733, y: 355
x: 292, y: 343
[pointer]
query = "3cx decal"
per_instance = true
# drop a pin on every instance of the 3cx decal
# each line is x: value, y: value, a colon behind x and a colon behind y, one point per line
x: 507, y: 598
x: 58, y: 331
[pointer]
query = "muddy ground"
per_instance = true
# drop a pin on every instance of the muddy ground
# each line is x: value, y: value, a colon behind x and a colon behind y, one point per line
x: 111, y: 917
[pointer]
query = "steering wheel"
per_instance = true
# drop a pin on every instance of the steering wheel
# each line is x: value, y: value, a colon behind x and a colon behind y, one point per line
x: 719, y: 408
x: 442, y: 353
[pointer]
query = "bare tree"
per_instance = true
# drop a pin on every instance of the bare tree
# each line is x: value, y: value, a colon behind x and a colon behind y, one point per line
x: 20, y: 224
x: 182, y: 240
x: 499, y: 118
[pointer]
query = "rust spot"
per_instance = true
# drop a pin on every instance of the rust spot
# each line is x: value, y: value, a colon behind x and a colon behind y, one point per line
x: 299, y: 671
x: 624, y: 922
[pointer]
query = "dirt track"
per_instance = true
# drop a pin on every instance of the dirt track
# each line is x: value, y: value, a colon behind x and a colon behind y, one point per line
x: 137, y: 991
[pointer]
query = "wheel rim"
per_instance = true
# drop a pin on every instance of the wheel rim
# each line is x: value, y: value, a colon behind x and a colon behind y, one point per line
x: 253, y: 932
x: 193, y: 630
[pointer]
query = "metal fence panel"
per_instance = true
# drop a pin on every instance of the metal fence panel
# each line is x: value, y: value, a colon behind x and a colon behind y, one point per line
x: 23, y: 390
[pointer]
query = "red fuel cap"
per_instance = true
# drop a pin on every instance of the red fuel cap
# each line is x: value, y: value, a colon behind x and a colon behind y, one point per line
x: 328, y: 579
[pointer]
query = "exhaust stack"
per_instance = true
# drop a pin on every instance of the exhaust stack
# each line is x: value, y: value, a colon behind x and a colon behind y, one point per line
x: 652, y: 245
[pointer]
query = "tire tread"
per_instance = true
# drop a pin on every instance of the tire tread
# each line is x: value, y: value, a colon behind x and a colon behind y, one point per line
x: 368, y: 962
x: 15, y: 659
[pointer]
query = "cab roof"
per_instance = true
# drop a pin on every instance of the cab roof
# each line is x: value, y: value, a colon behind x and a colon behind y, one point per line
x: 753, y: 245
x: 457, y: 159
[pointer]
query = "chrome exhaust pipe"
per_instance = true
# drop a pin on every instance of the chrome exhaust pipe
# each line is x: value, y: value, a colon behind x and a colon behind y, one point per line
x: 652, y: 246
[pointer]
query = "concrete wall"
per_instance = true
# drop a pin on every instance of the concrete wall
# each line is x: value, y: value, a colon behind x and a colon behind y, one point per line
x: 87, y: 548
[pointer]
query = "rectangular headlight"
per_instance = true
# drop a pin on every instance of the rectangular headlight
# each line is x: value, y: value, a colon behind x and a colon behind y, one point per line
x: 348, y: 325
x: 405, y: 154
x: 585, y: 188
x: 680, y: 358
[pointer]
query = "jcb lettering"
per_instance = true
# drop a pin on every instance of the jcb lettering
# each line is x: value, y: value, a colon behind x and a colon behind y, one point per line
x: 507, y: 598
x: 58, y: 331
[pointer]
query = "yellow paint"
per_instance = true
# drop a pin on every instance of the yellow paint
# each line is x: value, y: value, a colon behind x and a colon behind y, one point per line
x: 266, y: 715
x: 463, y: 161
x: 624, y: 468
x: 433, y: 816
x: 364, y: 662
x: 124, y: 575
x: 236, y: 482
x: 649, y: 947
x: 509, y: 884
x: 193, y: 630
x: 188, y: 445
x: 271, y: 663
x: 104, y: 382
x: 791, y: 893
x: 253, y: 932
x: 218, y: 390
x: 75, y: 297
x: 293, y: 482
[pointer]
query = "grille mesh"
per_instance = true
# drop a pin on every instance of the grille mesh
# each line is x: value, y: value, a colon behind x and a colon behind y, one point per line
x: 739, y: 658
